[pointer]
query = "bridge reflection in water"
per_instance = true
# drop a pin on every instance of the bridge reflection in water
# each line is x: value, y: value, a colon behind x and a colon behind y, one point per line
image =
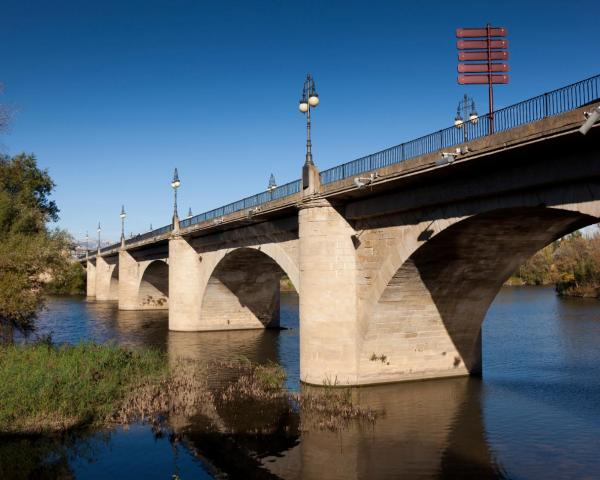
x: 431, y: 429
x: 424, y: 430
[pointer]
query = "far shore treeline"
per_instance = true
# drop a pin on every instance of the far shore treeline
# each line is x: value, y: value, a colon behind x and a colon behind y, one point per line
x: 572, y: 264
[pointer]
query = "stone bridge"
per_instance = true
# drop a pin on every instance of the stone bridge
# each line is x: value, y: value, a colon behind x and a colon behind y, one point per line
x: 394, y: 278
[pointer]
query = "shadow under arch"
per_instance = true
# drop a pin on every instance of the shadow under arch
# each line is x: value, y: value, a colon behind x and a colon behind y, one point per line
x: 433, y: 307
x: 153, y: 289
x: 113, y: 285
x: 243, y: 290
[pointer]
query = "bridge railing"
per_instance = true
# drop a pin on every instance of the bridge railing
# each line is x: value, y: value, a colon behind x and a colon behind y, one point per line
x: 152, y: 233
x: 546, y: 105
x: 249, y: 202
x: 109, y: 247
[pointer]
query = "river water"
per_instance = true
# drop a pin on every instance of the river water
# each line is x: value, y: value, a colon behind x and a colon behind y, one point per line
x: 534, y: 414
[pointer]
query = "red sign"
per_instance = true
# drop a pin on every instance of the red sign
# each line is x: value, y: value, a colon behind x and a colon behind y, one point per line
x: 480, y: 32
x: 480, y: 79
x: 467, y: 56
x: 482, y: 67
x: 465, y: 44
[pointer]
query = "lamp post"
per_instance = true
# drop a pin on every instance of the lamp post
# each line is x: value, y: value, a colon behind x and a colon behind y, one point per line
x: 465, y: 109
x: 99, y: 230
x: 190, y: 214
x: 272, y: 184
x: 310, y: 99
x: 122, y: 215
x: 87, y: 239
x: 175, y: 183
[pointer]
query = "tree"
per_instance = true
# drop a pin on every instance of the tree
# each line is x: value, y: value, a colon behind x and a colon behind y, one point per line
x: 29, y: 250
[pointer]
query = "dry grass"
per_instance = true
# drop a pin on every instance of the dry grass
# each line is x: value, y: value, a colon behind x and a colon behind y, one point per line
x: 47, y: 389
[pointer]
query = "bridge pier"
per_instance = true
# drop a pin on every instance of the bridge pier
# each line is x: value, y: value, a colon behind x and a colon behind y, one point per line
x: 107, y: 279
x: 128, y: 281
x: 90, y: 271
x: 328, y: 303
x: 185, y: 280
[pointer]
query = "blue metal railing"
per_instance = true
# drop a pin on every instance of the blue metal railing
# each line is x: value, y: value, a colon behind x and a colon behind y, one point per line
x: 552, y: 103
x: 546, y: 105
x: 248, y: 202
x: 153, y: 233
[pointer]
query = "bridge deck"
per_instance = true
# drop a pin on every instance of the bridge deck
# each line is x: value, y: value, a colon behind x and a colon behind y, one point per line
x: 553, y: 113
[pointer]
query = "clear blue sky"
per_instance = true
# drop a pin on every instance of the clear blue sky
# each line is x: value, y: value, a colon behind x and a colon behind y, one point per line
x: 112, y: 95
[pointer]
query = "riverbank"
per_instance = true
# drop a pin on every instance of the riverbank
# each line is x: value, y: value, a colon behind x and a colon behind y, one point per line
x: 50, y: 389
x: 45, y: 388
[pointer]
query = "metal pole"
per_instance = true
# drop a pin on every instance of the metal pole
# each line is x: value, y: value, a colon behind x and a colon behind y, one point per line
x: 309, y: 160
x: 464, y: 115
x: 175, y: 204
x: 490, y: 88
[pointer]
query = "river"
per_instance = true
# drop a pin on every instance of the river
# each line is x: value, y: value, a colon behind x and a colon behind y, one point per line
x: 534, y: 414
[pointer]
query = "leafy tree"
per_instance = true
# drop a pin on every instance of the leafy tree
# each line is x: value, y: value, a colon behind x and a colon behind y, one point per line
x: 29, y: 251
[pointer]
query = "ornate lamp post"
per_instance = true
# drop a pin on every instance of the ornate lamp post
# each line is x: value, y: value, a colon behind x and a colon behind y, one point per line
x: 465, y: 109
x: 99, y: 230
x: 175, y: 183
x: 122, y: 215
x: 310, y: 99
x: 272, y: 184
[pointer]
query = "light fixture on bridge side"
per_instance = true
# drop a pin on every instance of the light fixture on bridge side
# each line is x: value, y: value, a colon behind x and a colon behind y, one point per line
x: 360, y: 182
x: 309, y: 100
x: 591, y: 117
x: 175, y: 184
x: 447, y: 157
x: 465, y: 109
x: 122, y: 215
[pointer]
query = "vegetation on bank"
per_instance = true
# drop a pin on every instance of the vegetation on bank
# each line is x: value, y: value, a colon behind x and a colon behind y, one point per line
x: 68, y: 281
x: 571, y: 263
x: 30, y: 251
x: 46, y: 388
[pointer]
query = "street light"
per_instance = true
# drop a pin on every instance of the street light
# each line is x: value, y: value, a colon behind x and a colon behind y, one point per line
x: 122, y: 215
x: 190, y: 214
x: 272, y: 184
x: 465, y: 109
x: 99, y: 230
x: 310, y: 99
x: 175, y: 183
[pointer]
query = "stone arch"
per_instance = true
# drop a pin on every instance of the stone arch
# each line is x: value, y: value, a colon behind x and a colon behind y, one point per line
x: 153, y: 288
x: 275, y: 252
x: 240, y: 287
x: 427, y: 320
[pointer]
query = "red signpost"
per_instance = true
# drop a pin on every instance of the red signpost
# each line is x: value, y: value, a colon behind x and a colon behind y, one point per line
x: 483, y: 46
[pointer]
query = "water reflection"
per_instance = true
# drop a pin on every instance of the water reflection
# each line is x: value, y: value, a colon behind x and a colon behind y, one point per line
x: 535, y: 414
x: 425, y: 430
